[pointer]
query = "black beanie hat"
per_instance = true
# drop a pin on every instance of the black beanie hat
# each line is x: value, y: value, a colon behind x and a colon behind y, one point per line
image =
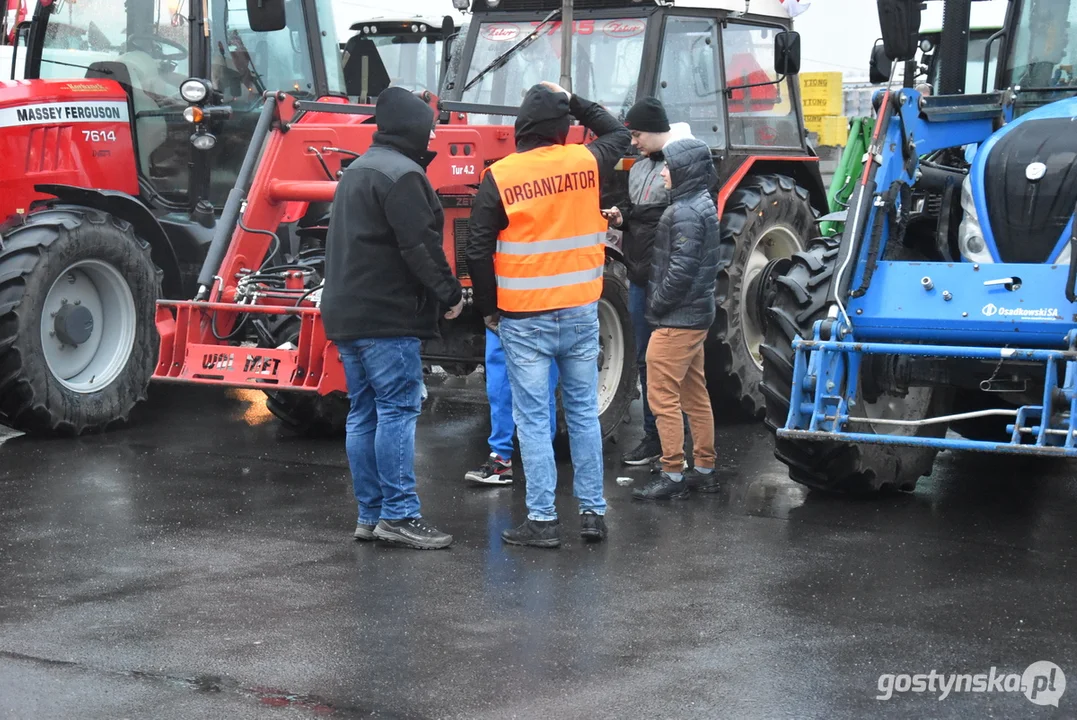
x: 647, y: 115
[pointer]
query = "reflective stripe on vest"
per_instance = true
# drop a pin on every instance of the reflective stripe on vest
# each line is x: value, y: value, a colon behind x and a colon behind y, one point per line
x: 551, y: 255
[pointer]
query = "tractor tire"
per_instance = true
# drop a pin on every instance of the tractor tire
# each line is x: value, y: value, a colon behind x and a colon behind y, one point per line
x: 78, y: 341
x: 835, y: 467
x: 306, y: 414
x: 767, y: 218
x: 618, y: 375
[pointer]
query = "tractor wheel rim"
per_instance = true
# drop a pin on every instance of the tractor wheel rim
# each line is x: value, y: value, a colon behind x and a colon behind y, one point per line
x: 777, y: 242
x: 611, y: 354
x: 104, y: 334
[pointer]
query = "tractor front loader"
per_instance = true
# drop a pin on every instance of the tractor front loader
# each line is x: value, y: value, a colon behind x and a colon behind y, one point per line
x: 882, y: 340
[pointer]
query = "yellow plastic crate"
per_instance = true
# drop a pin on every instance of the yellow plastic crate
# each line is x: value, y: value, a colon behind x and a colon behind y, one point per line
x: 833, y: 131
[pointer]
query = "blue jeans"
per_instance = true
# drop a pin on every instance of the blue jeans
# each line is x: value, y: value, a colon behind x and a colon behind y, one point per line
x: 499, y: 395
x: 569, y: 339
x: 637, y: 307
x: 385, y: 379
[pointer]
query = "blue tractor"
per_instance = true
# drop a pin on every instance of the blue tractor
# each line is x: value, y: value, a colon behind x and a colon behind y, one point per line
x: 882, y: 346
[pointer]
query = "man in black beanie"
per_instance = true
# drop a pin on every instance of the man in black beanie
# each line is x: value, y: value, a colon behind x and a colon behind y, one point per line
x: 386, y: 283
x: 638, y: 220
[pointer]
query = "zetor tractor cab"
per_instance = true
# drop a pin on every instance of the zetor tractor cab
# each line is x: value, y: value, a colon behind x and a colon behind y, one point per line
x: 411, y: 53
x: 881, y: 341
x: 727, y: 73
x: 112, y: 183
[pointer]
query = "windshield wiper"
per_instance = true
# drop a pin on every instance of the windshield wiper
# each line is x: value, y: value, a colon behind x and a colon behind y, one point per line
x: 503, y: 58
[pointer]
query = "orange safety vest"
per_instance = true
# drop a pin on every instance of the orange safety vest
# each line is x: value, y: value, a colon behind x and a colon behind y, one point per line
x: 551, y: 255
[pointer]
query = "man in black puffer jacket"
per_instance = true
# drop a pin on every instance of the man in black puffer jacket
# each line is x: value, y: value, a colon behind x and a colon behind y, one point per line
x: 680, y: 307
x: 386, y: 282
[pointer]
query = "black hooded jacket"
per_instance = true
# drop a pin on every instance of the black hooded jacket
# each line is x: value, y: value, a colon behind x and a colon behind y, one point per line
x: 684, y: 268
x: 385, y: 270
x: 543, y: 120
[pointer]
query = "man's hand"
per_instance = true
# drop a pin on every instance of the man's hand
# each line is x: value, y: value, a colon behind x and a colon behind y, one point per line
x: 455, y: 311
x: 554, y: 87
x: 614, y: 216
x: 493, y: 322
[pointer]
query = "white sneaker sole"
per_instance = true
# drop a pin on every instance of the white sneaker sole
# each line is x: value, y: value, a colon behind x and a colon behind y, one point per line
x: 488, y: 481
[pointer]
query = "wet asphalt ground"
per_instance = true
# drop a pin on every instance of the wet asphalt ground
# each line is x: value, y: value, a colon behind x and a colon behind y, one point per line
x: 201, y: 565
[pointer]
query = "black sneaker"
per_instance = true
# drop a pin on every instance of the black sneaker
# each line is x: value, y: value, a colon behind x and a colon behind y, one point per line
x: 495, y: 471
x: 413, y: 532
x: 649, y: 450
x: 662, y: 487
x: 364, y: 531
x: 592, y: 526
x: 536, y: 533
x: 703, y: 482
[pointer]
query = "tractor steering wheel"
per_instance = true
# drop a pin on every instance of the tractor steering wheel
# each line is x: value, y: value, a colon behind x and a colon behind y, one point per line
x: 156, y: 43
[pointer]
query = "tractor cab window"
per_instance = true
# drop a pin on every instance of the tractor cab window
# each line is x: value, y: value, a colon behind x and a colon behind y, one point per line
x: 761, y: 112
x: 142, y: 45
x: 688, y: 77
x: 606, y: 56
x: 1044, y: 55
x: 373, y: 62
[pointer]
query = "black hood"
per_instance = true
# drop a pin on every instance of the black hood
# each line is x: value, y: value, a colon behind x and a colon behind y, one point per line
x: 691, y: 167
x: 543, y: 119
x: 404, y: 124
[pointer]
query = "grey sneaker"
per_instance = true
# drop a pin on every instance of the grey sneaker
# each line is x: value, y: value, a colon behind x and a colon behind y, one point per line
x: 413, y: 532
x: 364, y: 531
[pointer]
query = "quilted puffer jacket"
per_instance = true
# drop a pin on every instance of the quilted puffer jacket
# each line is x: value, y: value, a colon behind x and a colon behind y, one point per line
x: 684, y: 268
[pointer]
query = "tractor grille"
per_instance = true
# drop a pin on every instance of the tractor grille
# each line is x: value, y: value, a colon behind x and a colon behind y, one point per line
x: 460, y: 235
x: 1027, y: 218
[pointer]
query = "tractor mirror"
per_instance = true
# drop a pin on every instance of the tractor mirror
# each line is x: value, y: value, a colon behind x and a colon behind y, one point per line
x: 880, y: 65
x: 266, y: 15
x: 900, y: 24
x: 787, y: 53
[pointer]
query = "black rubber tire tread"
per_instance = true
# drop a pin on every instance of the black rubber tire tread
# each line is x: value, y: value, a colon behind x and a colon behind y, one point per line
x: 757, y: 205
x: 827, y: 466
x: 615, y: 292
x: 33, y: 256
x: 307, y: 414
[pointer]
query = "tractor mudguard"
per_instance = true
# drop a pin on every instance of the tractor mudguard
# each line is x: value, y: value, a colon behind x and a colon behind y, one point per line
x: 131, y: 209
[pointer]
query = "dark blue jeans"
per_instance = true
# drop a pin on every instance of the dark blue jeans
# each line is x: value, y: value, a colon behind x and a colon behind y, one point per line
x: 385, y: 380
x: 637, y: 306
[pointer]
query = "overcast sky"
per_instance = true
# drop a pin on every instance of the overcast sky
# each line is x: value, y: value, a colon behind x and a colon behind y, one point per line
x: 835, y: 34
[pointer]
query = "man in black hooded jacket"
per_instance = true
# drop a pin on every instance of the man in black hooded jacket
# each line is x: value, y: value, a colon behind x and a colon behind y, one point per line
x: 535, y: 255
x: 386, y: 282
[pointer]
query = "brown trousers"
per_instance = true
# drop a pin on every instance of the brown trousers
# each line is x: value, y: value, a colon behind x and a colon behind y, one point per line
x: 676, y: 384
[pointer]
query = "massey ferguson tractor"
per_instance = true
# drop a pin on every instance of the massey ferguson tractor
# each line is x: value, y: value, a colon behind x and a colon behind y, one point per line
x: 726, y: 73
x: 880, y: 340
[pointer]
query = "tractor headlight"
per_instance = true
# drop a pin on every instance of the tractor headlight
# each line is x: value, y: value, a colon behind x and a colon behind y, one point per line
x: 970, y: 236
x: 194, y: 90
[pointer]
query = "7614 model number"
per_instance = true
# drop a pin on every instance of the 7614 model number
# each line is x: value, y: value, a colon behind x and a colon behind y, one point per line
x: 99, y: 135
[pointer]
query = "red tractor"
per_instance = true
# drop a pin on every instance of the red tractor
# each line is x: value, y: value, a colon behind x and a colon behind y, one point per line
x: 111, y: 187
x: 771, y: 190
x: 218, y: 138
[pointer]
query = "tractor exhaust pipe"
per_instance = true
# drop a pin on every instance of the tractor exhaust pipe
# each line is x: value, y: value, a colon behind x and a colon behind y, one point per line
x: 954, y: 46
x: 566, y: 44
x: 226, y: 225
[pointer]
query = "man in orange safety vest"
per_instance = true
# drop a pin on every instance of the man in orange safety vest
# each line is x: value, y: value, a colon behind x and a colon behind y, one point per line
x: 536, y: 256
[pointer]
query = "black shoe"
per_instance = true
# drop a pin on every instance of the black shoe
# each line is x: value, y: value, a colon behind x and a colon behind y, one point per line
x: 648, y: 450
x: 592, y: 526
x: 536, y: 533
x: 495, y: 471
x: 413, y: 532
x: 703, y: 482
x: 364, y: 531
x: 662, y: 487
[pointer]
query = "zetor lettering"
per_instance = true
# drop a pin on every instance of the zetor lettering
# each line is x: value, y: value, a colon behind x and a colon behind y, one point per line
x: 583, y: 180
x: 77, y: 112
